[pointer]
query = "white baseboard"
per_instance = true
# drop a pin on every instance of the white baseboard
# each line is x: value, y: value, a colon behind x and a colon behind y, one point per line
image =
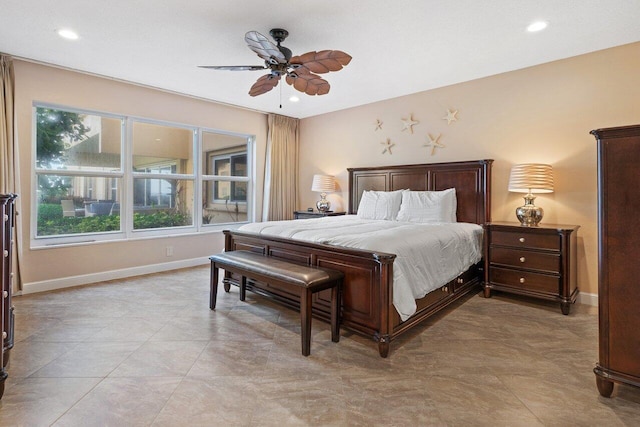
x: 587, y: 299
x: 85, y: 279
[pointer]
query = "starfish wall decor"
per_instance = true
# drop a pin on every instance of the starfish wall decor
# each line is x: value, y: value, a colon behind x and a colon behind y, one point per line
x: 387, y: 146
x: 451, y: 116
x: 378, y: 124
x: 434, y: 143
x: 409, y: 123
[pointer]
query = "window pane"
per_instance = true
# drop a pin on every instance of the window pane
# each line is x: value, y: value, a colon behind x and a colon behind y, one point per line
x: 162, y: 149
x: 224, y: 209
x: 77, y: 204
x: 239, y: 165
x: 74, y: 141
x: 160, y: 203
x: 224, y: 155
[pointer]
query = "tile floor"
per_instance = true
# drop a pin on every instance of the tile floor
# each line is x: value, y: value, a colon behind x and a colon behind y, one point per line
x: 148, y: 351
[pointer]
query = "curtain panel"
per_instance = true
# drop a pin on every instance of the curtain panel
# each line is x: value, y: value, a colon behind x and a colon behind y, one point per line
x: 8, y: 165
x: 9, y: 161
x: 281, y: 171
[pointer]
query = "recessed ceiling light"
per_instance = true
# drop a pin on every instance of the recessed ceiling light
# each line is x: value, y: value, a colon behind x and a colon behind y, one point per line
x: 68, y: 34
x: 294, y: 99
x: 537, y: 26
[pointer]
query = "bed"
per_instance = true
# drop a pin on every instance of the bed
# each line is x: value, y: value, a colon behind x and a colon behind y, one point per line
x: 368, y: 284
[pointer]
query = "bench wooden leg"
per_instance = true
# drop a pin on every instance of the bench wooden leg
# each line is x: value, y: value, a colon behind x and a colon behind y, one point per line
x: 213, y: 292
x: 243, y: 288
x: 305, y: 320
x: 335, y: 312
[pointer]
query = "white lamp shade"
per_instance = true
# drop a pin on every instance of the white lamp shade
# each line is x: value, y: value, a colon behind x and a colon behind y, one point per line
x: 323, y: 184
x: 531, y: 177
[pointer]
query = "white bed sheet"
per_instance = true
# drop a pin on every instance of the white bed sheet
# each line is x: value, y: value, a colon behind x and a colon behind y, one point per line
x: 427, y: 255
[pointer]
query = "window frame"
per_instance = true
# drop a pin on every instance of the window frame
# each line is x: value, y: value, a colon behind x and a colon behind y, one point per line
x: 125, y: 177
x: 249, y: 179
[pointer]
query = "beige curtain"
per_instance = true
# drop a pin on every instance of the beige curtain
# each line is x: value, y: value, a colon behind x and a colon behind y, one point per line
x: 281, y: 171
x: 9, y: 182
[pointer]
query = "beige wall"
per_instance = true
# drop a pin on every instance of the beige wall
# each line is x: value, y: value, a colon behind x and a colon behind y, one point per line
x: 38, y: 83
x: 539, y: 114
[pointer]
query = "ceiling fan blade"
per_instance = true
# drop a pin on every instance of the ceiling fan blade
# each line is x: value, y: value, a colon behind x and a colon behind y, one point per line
x: 234, y: 67
x: 309, y: 83
x: 264, y: 48
x: 264, y: 84
x: 321, y: 62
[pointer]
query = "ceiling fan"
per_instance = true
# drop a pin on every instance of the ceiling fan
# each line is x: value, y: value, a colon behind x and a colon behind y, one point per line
x: 299, y: 71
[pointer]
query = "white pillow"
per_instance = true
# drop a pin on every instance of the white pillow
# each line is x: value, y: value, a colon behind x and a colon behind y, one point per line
x: 428, y: 206
x: 380, y: 204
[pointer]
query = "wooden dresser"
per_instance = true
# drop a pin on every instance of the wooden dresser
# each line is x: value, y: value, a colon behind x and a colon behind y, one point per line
x: 7, y: 214
x: 618, y: 260
x: 535, y: 261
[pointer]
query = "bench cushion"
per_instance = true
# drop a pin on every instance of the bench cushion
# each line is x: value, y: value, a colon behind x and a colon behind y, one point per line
x: 300, y: 275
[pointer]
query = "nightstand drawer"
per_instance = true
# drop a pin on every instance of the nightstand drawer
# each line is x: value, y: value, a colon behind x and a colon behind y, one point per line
x: 304, y: 215
x: 526, y: 259
x: 314, y: 214
x: 525, y: 280
x: 526, y: 240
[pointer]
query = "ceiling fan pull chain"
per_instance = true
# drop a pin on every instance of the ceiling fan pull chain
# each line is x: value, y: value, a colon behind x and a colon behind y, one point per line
x: 280, y: 96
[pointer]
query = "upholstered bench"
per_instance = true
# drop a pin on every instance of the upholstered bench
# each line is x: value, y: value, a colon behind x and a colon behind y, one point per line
x: 301, y: 280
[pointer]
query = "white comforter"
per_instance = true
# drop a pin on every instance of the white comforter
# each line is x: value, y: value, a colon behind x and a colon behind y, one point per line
x: 427, y: 255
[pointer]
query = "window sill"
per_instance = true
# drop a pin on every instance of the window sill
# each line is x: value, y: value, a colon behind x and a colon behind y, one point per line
x: 44, y: 244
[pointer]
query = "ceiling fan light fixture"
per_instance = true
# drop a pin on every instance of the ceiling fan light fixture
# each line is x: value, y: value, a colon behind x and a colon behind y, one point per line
x: 294, y: 99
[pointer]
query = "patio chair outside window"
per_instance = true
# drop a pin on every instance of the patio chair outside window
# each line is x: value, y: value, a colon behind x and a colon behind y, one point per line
x: 68, y: 209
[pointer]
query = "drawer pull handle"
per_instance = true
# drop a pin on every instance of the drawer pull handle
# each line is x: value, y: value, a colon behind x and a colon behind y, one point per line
x: 460, y: 280
x: 6, y: 253
x: 5, y: 294
x: 522, y: 259
x: 4, y: 335
x: 521, y: 239
x: 522, y: 280
x: 5, y: 217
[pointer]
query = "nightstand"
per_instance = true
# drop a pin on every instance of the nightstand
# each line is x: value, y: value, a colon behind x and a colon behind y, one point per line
x: 314, y: 214
x: 535, y: 261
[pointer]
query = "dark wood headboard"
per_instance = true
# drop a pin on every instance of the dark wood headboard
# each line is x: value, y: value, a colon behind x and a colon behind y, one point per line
x: 471, y: 179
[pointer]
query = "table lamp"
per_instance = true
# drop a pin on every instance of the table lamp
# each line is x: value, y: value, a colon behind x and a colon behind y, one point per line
x: 530, y: 178
x: 323, y: 184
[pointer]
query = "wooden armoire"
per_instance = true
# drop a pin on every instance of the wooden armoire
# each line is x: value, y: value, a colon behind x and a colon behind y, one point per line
x: 7, y: 218
x: 618, y: 257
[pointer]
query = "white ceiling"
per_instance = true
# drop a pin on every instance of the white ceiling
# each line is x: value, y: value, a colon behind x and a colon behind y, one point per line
x: 398, y: 47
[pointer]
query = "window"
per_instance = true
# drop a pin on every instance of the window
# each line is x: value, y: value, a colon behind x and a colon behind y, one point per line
x: 112, y: 176
x: 163, y: 179
x: 78, y: 170
x: 226, y: 180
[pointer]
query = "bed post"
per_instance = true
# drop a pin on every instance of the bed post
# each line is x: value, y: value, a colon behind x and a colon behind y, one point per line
x: 228, y: 246
x: 383, y: 336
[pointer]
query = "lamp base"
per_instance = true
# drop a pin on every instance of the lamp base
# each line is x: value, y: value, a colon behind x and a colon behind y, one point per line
x: 529, y: 215
x: 323, y: 204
